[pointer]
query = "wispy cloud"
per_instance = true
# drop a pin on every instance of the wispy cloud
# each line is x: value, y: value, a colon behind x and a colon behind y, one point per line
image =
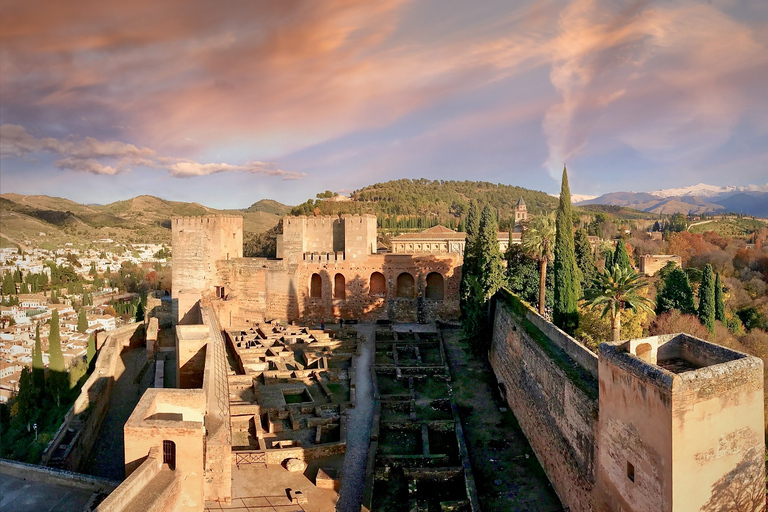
x: 89, y: 155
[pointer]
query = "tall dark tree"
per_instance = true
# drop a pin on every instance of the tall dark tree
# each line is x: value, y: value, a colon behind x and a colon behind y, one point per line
x: 91, y: 350
x: 584, y: 258
x: 490, y: 271
x: 676, y: 293
x: 621, y: 257
x: 565, y: 313
x: 38, y: 366
x: 57, y: 376
x: 707, y: 299
x: 9, y: 285
x: 468, y: 266
x: 82, y: 320
x: 719, y: 299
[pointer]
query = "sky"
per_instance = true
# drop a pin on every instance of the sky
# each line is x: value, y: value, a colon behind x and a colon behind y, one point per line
x: 227, y: 103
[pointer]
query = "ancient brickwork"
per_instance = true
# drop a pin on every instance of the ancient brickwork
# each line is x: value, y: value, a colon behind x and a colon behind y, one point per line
x: 557, y: 412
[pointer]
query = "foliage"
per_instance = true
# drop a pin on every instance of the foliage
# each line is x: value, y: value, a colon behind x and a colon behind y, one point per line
x: 565, y: 313
x: 38, y: 366
x: 615, y: 290
x: 707, y: 299
x: 676, y: 293
x: 490, y: 272
x: 522, y: 274
x: 82, y: 321
x: 620, y: 256
x: 468, y: 267
x: 91, y: 350
x: 585, y: 260
x: 752, y: 318
x: 538, y: 242
x: 594, y: 328
x: 262, y: 245
x: 55, y: 356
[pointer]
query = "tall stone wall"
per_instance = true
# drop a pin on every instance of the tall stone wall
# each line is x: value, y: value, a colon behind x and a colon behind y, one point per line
x: 554, y: 400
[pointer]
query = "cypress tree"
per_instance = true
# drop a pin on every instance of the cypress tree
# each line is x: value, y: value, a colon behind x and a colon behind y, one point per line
x: 490, y: 271
x: 82, y: 320
x: 621, y: 257
x: 584, y: 258
x: 719, y: 299
x: 38, y: 366
x: 55, y: 356
x: 608, y: 255
x: 567, y: 290
x: 676, y: 293
x: 707, y: 299
x: 57, y: 376
x: 91, y: 351
x: 468, y: 265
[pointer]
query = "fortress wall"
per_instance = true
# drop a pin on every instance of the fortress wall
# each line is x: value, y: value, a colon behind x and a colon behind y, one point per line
x: 554, y: 401
x: 359, y: 236
x: 94, y: 398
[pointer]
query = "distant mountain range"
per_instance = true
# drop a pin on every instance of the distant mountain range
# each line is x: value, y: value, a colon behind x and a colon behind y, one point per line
x: 696, y: 199
x: 142, y: 219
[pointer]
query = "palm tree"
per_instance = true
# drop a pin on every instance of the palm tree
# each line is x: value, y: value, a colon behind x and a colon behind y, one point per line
x: 615, y: 290
x: 538, y: 242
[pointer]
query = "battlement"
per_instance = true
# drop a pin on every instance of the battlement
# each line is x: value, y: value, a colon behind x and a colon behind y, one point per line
x: 205, y: 220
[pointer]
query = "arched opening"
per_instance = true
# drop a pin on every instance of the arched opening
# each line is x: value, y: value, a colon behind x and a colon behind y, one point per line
x: 339, y: 287
x: 435, y: 286
x: 316, y: 286
x: 169, y: 454
x: 643, y: 351
x: 405, y: 285
x: 378, y: 285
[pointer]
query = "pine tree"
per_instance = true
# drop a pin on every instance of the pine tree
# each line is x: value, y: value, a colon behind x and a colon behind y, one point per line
x: 565, y: 313
x: 621, y: 257
x: 38, y: 366
x: 584, y: 258
x: 82, y: 320
x: 719, y: 299
x: 676, y: 293
x: 707, y: 299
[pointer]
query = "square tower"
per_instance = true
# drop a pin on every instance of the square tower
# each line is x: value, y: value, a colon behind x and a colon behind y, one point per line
x: 680, y: 427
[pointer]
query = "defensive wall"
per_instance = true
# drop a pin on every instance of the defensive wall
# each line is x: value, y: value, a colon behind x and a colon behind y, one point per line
x: 667, y: 423
x: 78, y: 432
x: 554, y: 399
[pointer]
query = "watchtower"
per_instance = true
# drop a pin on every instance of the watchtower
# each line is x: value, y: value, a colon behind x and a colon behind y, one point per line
x: 680, y: 427
x: 198, y: 243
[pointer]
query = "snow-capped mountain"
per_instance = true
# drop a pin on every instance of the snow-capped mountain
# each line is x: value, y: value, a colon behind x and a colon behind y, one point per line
x: 695, y: 199
x: 704, y: 190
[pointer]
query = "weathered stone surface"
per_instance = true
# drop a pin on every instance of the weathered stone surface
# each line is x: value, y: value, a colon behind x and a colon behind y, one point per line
x: 295, y: 465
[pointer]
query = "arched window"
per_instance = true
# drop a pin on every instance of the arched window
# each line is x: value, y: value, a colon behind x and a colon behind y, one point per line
x: 405, y: 285
x: 316, y: 286
x: 378, y: 285
x: 339, y: 287
x: 435, y: 286
x: 169, y: 454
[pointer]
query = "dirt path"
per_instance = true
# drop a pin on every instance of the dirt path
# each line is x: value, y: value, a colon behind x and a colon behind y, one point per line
x: 107, y: 458
x: 358, y: 429
x: 506, y: 471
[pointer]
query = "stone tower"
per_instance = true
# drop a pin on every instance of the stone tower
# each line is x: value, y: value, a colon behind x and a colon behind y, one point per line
x: 198, y: 243
x: 521, y: 212
x: 680, y: 427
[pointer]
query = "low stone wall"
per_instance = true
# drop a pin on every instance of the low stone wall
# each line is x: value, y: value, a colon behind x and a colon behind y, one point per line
x: 123, y: 496
x: 553, y: 396
x: 56, y: 476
